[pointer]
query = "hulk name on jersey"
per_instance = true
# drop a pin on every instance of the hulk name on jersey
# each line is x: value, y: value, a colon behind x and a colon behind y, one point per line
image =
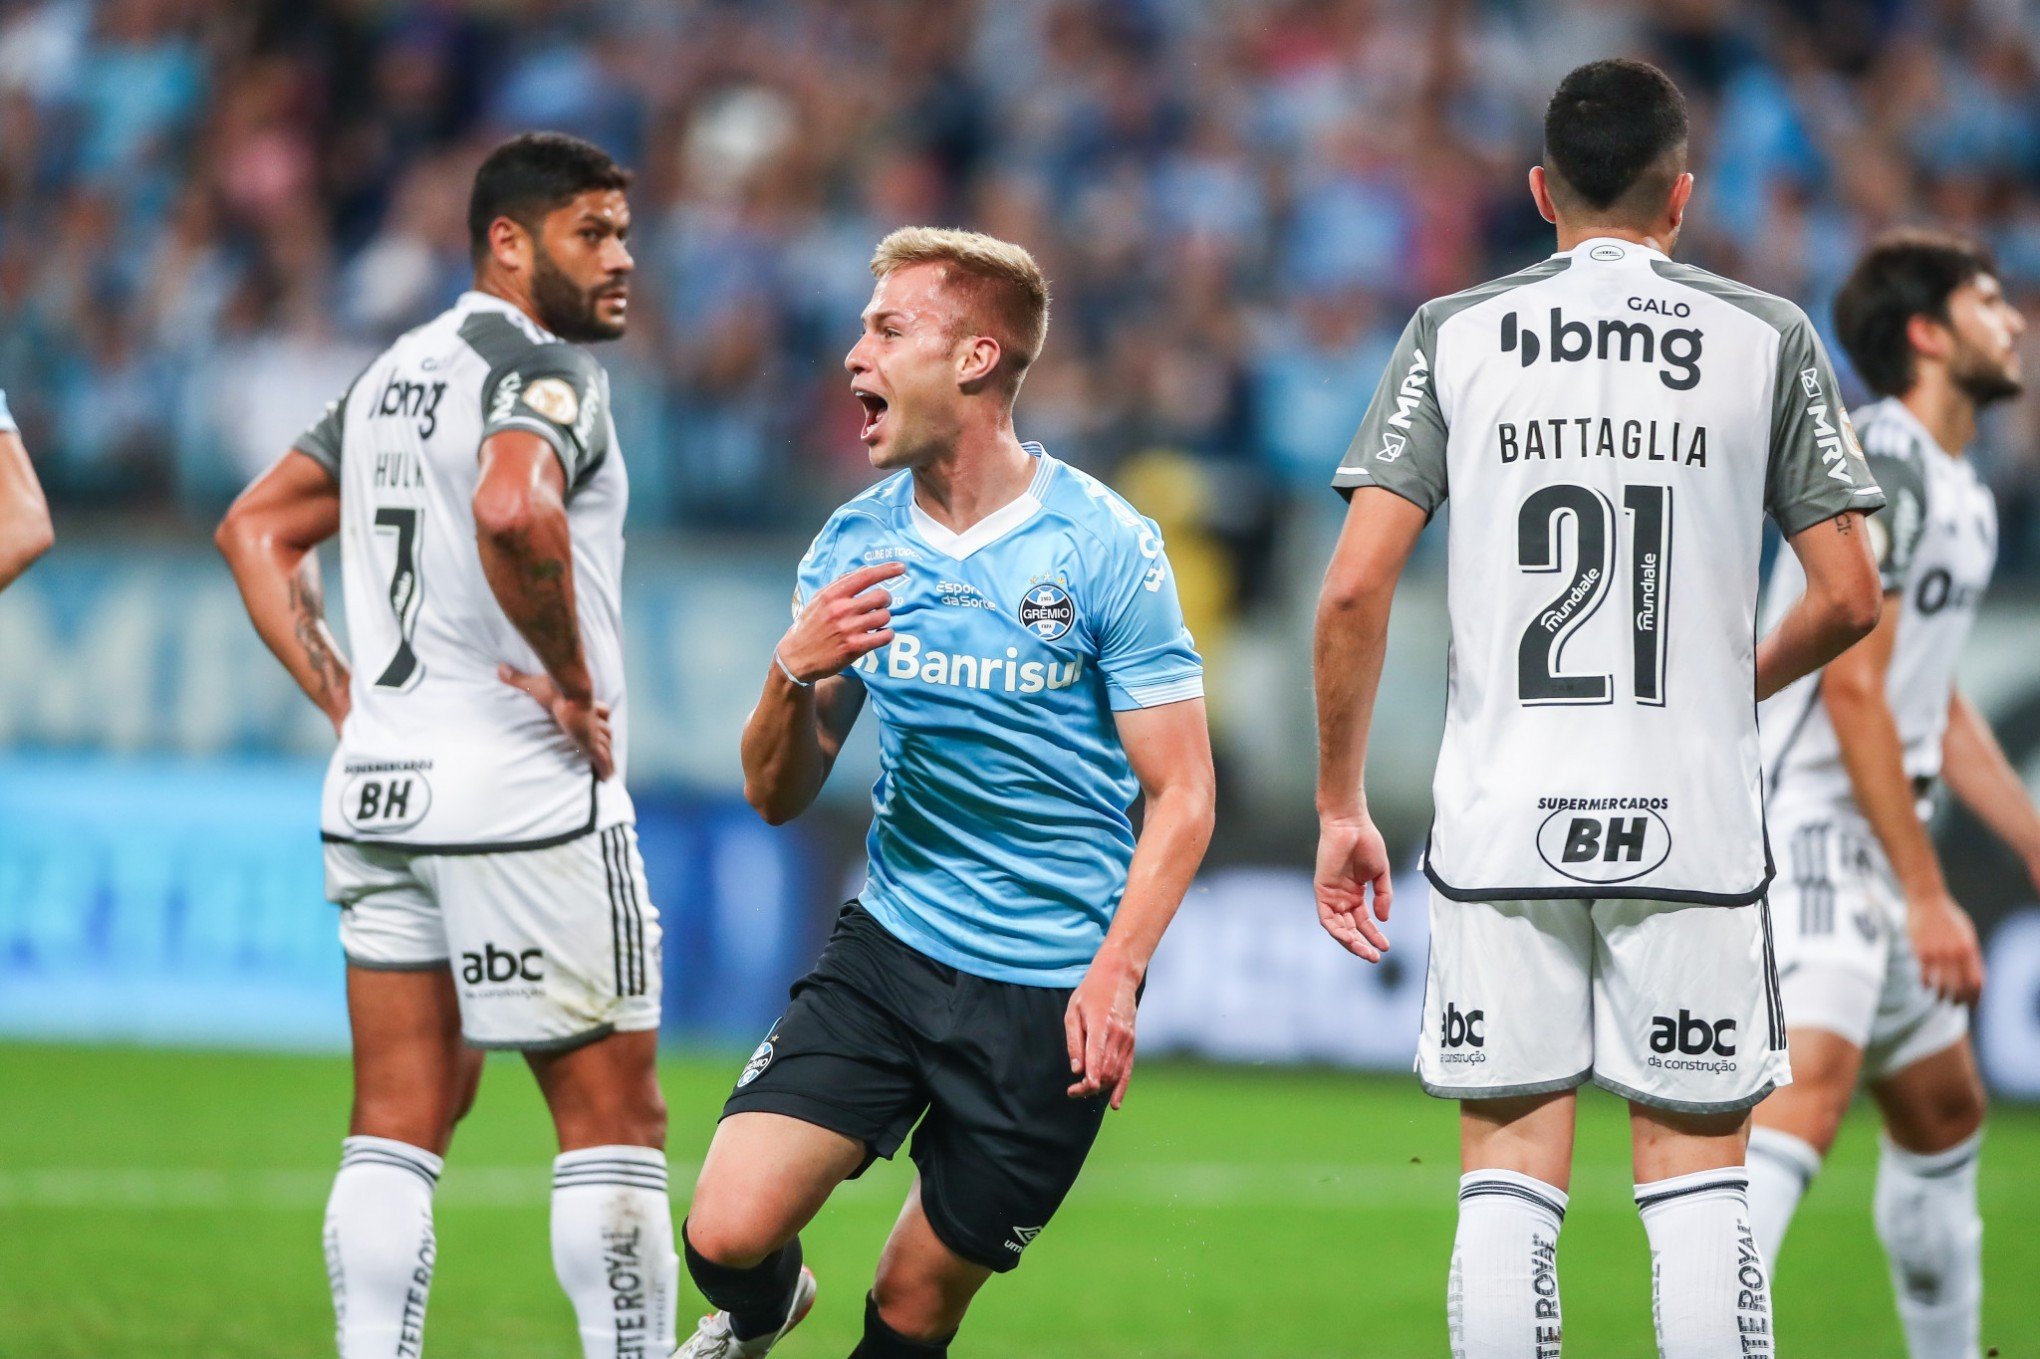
x: 436, y: 751
x: 999, y: 839
x: 1630, y: 420
x: 1936, y: 547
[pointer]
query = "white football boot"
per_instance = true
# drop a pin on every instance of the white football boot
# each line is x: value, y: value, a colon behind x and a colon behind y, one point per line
x: 712, y: 1339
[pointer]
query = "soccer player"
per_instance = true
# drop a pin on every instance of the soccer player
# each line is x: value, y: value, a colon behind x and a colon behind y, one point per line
x: 25, y: 532
x: 479, y: 839
x: 1014, y: 625
x: 1612, y: 428
x: 1876, y: 959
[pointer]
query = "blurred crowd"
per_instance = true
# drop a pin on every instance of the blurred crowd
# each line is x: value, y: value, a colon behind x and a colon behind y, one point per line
x: 213, y: 211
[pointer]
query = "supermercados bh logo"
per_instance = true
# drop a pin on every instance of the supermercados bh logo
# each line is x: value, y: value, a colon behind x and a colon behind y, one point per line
x: 382, y: 797
x: 1603, y: 839
x: 1047, y: 610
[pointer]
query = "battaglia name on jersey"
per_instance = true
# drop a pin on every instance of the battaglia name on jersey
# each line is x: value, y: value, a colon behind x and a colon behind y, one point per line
x: 1583, y: 436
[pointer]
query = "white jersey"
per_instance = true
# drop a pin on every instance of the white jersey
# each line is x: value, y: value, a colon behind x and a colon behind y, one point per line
x: 437, y: 753
x: 1612, y: 428
x: 1936, y: 547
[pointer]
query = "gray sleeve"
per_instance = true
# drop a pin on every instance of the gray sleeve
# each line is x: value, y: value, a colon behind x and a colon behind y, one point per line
x: 321, y: 443
x: 1895, y: 530
x: 1400, y: 446
x: 1816, y: 470
x: 555, y: 391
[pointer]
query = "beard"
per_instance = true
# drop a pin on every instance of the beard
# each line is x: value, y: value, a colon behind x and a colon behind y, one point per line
x: 566, y: 308
x: 1984, y: 382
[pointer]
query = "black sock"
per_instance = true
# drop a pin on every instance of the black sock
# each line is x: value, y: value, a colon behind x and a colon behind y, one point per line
x: 757, y: 1298
x: 883, y: 1342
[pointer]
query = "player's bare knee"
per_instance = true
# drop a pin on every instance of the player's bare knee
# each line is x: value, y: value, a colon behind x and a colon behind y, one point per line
x: 722, y: 1231
x: 915, y: 1303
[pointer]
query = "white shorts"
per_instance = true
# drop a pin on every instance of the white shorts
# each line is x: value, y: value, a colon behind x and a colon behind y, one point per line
x: 1662, y: 1003
x: 549, y: 948
x: 1844, y: 957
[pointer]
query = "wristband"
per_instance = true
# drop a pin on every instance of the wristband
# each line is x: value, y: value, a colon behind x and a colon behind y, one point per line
x: 787, y: 671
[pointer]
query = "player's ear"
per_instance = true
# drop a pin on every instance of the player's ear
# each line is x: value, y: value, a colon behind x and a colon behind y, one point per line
x: 510, y: 245
x: 1682, y: 194
x: 1540, y: 193
x: 977, y: 360
x: 1929, y: 337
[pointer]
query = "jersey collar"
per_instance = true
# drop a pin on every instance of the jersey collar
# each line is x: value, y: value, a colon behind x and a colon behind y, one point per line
x: 474, y: 299
x: 993, y: 526
x: 1585, y: 250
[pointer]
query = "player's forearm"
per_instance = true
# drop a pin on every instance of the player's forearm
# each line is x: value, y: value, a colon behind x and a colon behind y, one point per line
x: 784, y: 763
x: 1840, y: 607
x: 279, y: 583
x: 1813, y: 632
x: 1174, y: 835
x: 528, y: 558
x: 1874, y: 756
x: 1351, y: 642
x: 1976, y: 770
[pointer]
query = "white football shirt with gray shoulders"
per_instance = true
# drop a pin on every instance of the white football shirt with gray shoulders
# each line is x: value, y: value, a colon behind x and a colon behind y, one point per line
x: 1936, y: 547
x: 1611, y: 428
x: 438, y: 754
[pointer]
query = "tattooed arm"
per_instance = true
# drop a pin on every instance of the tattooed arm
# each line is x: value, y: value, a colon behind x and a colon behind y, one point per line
x: 268, y: 538
x: 528, y: 557
x: 1841, y: 604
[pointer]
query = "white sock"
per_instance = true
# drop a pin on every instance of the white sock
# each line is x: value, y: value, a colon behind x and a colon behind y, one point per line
x: 1781, y: 1167
x: 1927, y: 1219
x: 1710, y: 1291
x: 379, y: 1246
x: 612, y: 1243
x: 1502, y: 1300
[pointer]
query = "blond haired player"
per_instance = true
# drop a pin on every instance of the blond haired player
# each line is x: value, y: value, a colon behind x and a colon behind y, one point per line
x: 1013, y: 626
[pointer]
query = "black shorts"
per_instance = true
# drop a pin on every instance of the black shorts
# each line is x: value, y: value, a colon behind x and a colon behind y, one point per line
x: 879, y: 1035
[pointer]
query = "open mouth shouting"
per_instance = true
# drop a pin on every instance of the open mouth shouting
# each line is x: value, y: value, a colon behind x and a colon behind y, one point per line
x: 875, y: 407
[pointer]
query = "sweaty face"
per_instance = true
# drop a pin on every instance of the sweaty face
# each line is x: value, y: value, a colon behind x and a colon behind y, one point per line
x: 1985, y: 362
x: 904, y: 369
x: 580, y: 268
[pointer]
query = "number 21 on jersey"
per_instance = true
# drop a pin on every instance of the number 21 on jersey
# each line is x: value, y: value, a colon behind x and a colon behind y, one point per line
x: 1648, y: 512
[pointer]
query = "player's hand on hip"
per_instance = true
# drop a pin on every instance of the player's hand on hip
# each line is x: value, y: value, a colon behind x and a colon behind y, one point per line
x: 585, y: 721
x: 1944, y: 940
x: 1098, y: 1026
x: 848, y: 617
x: 1352, y: 859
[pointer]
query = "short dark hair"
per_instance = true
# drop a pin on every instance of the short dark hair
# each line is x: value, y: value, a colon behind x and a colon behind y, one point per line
x: 1902, y: 275
x: 530, y: 175
x: 1614, y: 134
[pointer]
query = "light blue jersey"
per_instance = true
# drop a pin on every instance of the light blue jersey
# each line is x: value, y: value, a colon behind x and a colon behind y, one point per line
x: 999, y: 836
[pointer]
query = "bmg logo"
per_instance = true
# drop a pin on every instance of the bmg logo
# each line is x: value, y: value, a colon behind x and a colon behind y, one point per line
x: 1676, y: 351
x: 494, y: 964
x: 1462, y: 1028
x: 1691, y: 1036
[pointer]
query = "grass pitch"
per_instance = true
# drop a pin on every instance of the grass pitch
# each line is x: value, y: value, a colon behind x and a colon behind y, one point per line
x: 168, y: 1204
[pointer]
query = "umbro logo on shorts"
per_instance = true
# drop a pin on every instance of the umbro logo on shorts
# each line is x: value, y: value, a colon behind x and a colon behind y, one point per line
x: 1022, y: 1237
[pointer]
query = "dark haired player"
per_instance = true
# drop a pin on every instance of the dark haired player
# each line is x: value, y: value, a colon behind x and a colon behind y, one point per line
x: 479, y: 840
x: 1612, y: 428
x: 1878, y: 961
